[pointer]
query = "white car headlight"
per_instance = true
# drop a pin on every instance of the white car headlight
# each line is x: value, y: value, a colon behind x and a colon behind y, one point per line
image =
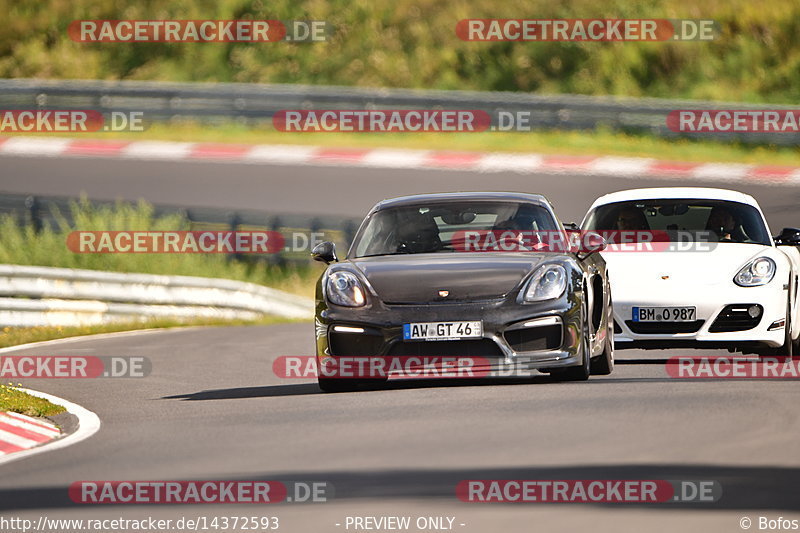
x: 547, y: 283
x: 343, y: 288
x: 757, y: 272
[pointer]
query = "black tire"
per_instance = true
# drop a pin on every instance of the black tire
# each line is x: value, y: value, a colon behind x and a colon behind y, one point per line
x: 582, y: 371
x: 790, y: 347
x: 603, y: 364
x: 794, y: 349
x: 348, y: 385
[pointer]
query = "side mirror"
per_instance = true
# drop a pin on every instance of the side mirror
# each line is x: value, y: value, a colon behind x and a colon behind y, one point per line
x: 591, y: 242
x: 325, y: 252
x: 788, y: 237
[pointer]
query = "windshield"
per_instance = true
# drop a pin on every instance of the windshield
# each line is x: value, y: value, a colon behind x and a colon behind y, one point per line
x: 705, y: 220
x: 434, y: 228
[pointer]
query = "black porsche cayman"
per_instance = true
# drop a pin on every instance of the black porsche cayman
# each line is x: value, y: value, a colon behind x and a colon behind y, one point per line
x: 466, y: 275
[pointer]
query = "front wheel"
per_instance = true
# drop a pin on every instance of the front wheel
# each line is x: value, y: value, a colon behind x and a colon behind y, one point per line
x: 790, y: 347
x: 582, y: 371
x: 603, y: 364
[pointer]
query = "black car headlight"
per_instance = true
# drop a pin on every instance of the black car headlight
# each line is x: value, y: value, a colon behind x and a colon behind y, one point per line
x: 547, y: 283
x: 343, y: 288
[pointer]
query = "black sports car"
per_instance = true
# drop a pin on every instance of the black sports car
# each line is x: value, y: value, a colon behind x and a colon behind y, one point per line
x: 466, y: 275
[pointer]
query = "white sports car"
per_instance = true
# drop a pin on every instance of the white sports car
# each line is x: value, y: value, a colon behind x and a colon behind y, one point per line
x: 704, y: 271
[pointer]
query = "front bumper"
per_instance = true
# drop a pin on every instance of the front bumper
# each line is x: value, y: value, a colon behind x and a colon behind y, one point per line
x: 507, y: 325
x: 714, y: 328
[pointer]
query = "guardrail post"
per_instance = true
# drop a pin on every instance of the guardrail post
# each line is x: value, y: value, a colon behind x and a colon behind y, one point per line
x: 235, y: 222
x: 34, y: 215
x: 280, y: 258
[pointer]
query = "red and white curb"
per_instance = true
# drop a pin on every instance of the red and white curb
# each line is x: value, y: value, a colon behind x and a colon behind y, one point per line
x: 19, y: 432
x: 285, y: 154
x: 88, y: 425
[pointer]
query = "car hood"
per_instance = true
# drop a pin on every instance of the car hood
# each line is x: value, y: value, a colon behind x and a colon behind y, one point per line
x: 638, y: 271
x: 418, y: 278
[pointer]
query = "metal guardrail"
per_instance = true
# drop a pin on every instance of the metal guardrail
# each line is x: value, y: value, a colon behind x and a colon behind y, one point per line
x: 40, y: 296
x: 257, y: 103
x: 45, y: 296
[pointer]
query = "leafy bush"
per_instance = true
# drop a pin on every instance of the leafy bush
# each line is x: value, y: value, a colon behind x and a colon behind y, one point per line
x: 412, y: 43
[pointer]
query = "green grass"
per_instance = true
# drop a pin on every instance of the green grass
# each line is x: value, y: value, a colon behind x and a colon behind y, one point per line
x: 15, y: 401
x: 22, y: 245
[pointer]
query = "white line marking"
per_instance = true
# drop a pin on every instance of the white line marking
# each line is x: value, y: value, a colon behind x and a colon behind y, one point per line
x: 16, y: 440
x: 510, y: 162
x: 390, y: 158
x: 621, y: 166
x: 35, y: 146
x: 284, y: 154
x: 51, y: 431
x: 157, y: 150
x: 793, y: 178
x: 721, y: 171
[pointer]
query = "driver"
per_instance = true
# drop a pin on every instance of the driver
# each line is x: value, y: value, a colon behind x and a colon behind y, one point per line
x: 722, y: 222
x: 523, y: 238
x: 631, y: 219
x: 418, y: 234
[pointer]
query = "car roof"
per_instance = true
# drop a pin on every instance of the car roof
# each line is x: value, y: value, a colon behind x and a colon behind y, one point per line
x: 415, y: 199
x: 660, y: 193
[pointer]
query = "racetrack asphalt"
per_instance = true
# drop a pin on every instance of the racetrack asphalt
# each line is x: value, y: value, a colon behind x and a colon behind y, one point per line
x: 213, y: 410
x: 329, y: 190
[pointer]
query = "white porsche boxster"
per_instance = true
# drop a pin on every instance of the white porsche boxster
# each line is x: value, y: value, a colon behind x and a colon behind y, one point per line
x: 698, y: 269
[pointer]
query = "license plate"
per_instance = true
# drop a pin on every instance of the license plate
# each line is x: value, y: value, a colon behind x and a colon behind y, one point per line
x: 664, y: 314
x: 442, y: 331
